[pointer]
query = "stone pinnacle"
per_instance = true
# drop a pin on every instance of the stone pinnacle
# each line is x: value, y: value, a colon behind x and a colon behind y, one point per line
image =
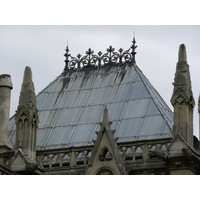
x: 27, y: 75
x: 182, y: 56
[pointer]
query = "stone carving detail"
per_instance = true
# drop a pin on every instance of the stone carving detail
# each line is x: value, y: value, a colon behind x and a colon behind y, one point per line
x: 105, y: 155
x: 99, y: 60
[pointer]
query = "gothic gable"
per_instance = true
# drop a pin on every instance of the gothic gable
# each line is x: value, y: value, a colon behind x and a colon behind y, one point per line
x: 105, y: 159
x: 20, y: 162
x: 178, y: 144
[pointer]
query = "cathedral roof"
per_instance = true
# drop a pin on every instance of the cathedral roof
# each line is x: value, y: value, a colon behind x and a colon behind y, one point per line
x: 71, y: 107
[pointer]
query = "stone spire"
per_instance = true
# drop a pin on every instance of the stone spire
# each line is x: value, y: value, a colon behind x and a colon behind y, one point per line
x: 5, y: 92
x: 26, y: 117
x: 182, y: 98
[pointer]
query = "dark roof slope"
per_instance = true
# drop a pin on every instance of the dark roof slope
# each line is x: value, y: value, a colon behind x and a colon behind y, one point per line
x: 71, y: 107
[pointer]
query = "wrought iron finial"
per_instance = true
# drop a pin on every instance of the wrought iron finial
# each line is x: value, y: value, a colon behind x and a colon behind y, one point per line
x: 133, y: 47
x: 67, y: 55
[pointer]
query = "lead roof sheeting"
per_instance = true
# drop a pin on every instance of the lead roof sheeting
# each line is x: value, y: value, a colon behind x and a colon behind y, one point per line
x: 166, y: 129
x: 11, y: 123
x: 12, y: 136
x: 136, y: 108
x: 139, y: 91
x: 152, y: 109
x: 87, y: 82
x: 48, y: 118
x: 71, y: 107
x: 71, y: 98
x: 76, y: 85
x: 103, y: 80
x: 128, y: 76
x: 60, y: 100
x: 152, y: 125
x: 97, y: 96
x: 40, y: 99
x: 119, y: 93
x: 56, y: 86
x: 68, y: 116
x: 129, y: 128
x: 50, y: 101
x: 60, y: 136
x: 76, y: 98
x: 115, y: 110
x: 43, y: 136
x: 91, y: 114
x: 83, y: 134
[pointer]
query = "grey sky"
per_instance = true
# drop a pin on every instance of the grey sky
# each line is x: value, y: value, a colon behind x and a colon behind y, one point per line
x: 42, y: 48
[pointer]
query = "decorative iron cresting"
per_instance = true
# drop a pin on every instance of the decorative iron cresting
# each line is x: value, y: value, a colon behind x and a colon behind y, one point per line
x: 100, y: 60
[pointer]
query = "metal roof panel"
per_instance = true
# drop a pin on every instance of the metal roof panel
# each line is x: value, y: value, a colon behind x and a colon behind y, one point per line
x: 71, y: 107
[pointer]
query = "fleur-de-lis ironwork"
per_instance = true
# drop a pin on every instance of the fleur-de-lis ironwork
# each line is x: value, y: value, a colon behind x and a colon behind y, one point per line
x: 89, y: 54
x: 110, y: 49
x: 100, y: 60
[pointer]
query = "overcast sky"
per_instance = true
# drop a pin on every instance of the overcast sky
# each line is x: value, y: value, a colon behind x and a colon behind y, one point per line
x: 42, y: 48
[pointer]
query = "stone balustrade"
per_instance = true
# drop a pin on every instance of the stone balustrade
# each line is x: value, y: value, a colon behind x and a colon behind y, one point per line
x: 79, y: 156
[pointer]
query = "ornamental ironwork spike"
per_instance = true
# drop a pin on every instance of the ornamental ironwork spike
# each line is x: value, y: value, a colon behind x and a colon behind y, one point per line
x: 120, y: 50
x: 67, y: 55
x: 89, y: 54
x: 99, y: 58
x: 133, y: 47
x: 110, y: 50
x: 79, y: 56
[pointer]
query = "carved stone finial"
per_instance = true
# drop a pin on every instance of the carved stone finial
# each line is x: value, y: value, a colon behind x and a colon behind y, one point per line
x: 105, y: 115
x: 182, y: 56
x: 27, y: 94
x: 27, y: 75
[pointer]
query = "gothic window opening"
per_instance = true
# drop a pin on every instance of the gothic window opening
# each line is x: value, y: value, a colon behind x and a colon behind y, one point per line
x: 105, y: 171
